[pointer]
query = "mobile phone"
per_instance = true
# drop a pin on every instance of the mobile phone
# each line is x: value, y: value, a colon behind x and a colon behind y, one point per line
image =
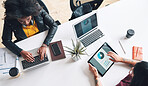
x: 56, y: 50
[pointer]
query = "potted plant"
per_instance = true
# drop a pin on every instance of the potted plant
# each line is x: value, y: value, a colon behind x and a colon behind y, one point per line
x: 76, y: 51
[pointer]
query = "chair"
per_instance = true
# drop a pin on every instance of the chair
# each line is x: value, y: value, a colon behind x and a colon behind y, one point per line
x: 94, y: 3
x: 43, y: 5
x: 45, y: 8
x: 81, y: 7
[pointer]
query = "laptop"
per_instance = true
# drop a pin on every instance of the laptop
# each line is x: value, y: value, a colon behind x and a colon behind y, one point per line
x: 24, y: 65
x: 89, y: 34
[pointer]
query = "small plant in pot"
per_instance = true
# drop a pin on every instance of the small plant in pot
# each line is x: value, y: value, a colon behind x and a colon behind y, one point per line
x: 76, y: 51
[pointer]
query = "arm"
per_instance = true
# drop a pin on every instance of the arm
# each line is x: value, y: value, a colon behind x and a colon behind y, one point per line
x: 7, y: 41
x: 47, y: 19
x: 96, y: 75
x: 52, y: 26
x: 117, y: 58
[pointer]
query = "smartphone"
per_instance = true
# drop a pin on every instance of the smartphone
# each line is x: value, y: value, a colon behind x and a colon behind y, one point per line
x: 56, y: 50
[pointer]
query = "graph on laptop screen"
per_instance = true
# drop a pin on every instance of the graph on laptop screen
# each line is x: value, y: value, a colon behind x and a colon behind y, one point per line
x: 86, y: 25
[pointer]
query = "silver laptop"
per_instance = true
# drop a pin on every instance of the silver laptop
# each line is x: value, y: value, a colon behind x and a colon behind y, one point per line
x: 87, y: 32
x: 24, y: 65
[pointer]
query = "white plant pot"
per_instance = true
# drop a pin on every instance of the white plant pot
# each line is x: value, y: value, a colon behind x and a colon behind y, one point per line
x: 75, y: 58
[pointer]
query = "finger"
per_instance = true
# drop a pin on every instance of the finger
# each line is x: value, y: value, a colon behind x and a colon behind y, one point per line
x: 90, y: 66
x: 27, y: 60
x: 30, y: 58
x: 42, y: 57
x: 111, y: 59
x: 110, y: 52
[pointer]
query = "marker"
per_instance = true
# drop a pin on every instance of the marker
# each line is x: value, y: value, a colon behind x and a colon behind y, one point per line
x: 122, y: 47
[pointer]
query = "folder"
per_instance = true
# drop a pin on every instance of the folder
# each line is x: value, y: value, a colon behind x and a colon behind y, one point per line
x: 61, y: 56
x: 137, y: 53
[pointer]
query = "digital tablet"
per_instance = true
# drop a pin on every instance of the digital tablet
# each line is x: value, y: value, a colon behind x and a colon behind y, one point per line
x: 100, y: 60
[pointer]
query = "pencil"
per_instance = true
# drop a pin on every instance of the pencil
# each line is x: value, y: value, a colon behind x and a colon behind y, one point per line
x: 122, y: 47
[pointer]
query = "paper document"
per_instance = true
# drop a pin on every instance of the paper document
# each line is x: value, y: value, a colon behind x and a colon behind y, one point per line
x: 7, y: 60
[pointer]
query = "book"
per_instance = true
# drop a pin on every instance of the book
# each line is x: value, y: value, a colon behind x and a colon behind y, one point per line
x: 137, y: 53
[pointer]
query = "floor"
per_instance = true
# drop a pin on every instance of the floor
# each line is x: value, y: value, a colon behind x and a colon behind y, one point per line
x: 58, y: 9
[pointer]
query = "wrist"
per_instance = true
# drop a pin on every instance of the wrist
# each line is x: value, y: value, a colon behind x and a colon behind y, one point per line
x: 96, y: 76
x: 122, y: 60
x: 44, y: 45
x: 97, y: 81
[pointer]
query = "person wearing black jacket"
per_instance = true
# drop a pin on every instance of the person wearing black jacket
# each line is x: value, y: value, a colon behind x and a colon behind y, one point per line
x: 26, y: 18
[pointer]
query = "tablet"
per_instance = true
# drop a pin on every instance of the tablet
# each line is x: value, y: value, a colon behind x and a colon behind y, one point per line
x: 100, y: 60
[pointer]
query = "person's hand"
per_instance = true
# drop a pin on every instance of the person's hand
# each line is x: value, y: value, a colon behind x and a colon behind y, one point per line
x: 94, y: 71
x: 42, y: 51
x: 115, y: 57
x: 27, y: 56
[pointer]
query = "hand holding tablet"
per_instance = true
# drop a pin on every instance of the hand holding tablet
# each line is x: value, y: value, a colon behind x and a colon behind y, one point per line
x: 101, y: 59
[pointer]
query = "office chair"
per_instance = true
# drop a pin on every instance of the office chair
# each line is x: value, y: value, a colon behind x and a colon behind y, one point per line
x: 43, y: 5
x: 94, y: 3
x: 45, y: 8
x: 81, y: 7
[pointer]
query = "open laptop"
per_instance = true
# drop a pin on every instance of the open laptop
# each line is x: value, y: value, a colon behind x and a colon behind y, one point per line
x: 24, y: 65
x: 89, y: 34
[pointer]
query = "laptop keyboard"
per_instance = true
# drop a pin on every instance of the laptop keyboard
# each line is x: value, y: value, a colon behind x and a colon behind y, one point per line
x: 37, y: 61
x: 92, y: 37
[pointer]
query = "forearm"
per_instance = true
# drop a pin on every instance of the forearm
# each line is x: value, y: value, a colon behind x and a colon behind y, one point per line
x: 50, y: 35
x: 129, y: 61
x: 98, y: 82
x: 12, y: 47
x: 48, y: 20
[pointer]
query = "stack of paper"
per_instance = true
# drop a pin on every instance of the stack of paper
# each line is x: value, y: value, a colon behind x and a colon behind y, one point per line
x: 7, y: 61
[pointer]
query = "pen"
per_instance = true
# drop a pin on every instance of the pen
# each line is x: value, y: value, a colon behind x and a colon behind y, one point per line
x: 4, y: 68
x: 5, y: 72
x: 5, y: 57
x: 122, y: 47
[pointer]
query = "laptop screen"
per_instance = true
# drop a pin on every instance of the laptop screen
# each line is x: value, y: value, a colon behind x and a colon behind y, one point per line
x: 86, y: 25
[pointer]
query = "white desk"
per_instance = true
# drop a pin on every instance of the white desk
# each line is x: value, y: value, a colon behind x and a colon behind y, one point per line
x: 115, y: 18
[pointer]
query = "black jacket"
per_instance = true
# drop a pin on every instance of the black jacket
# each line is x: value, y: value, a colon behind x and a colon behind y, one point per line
x: 44, y: 22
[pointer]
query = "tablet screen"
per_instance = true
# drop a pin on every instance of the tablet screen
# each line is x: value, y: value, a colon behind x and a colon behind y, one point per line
x: 100, y: 60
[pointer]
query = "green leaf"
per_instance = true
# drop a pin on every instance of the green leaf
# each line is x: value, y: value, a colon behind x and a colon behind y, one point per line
x: 70, y: 52
x: 78, y: 44
x: 68, y: 48
x: 82, y: 48
x: 73, y: 43
x: 82, y: 53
